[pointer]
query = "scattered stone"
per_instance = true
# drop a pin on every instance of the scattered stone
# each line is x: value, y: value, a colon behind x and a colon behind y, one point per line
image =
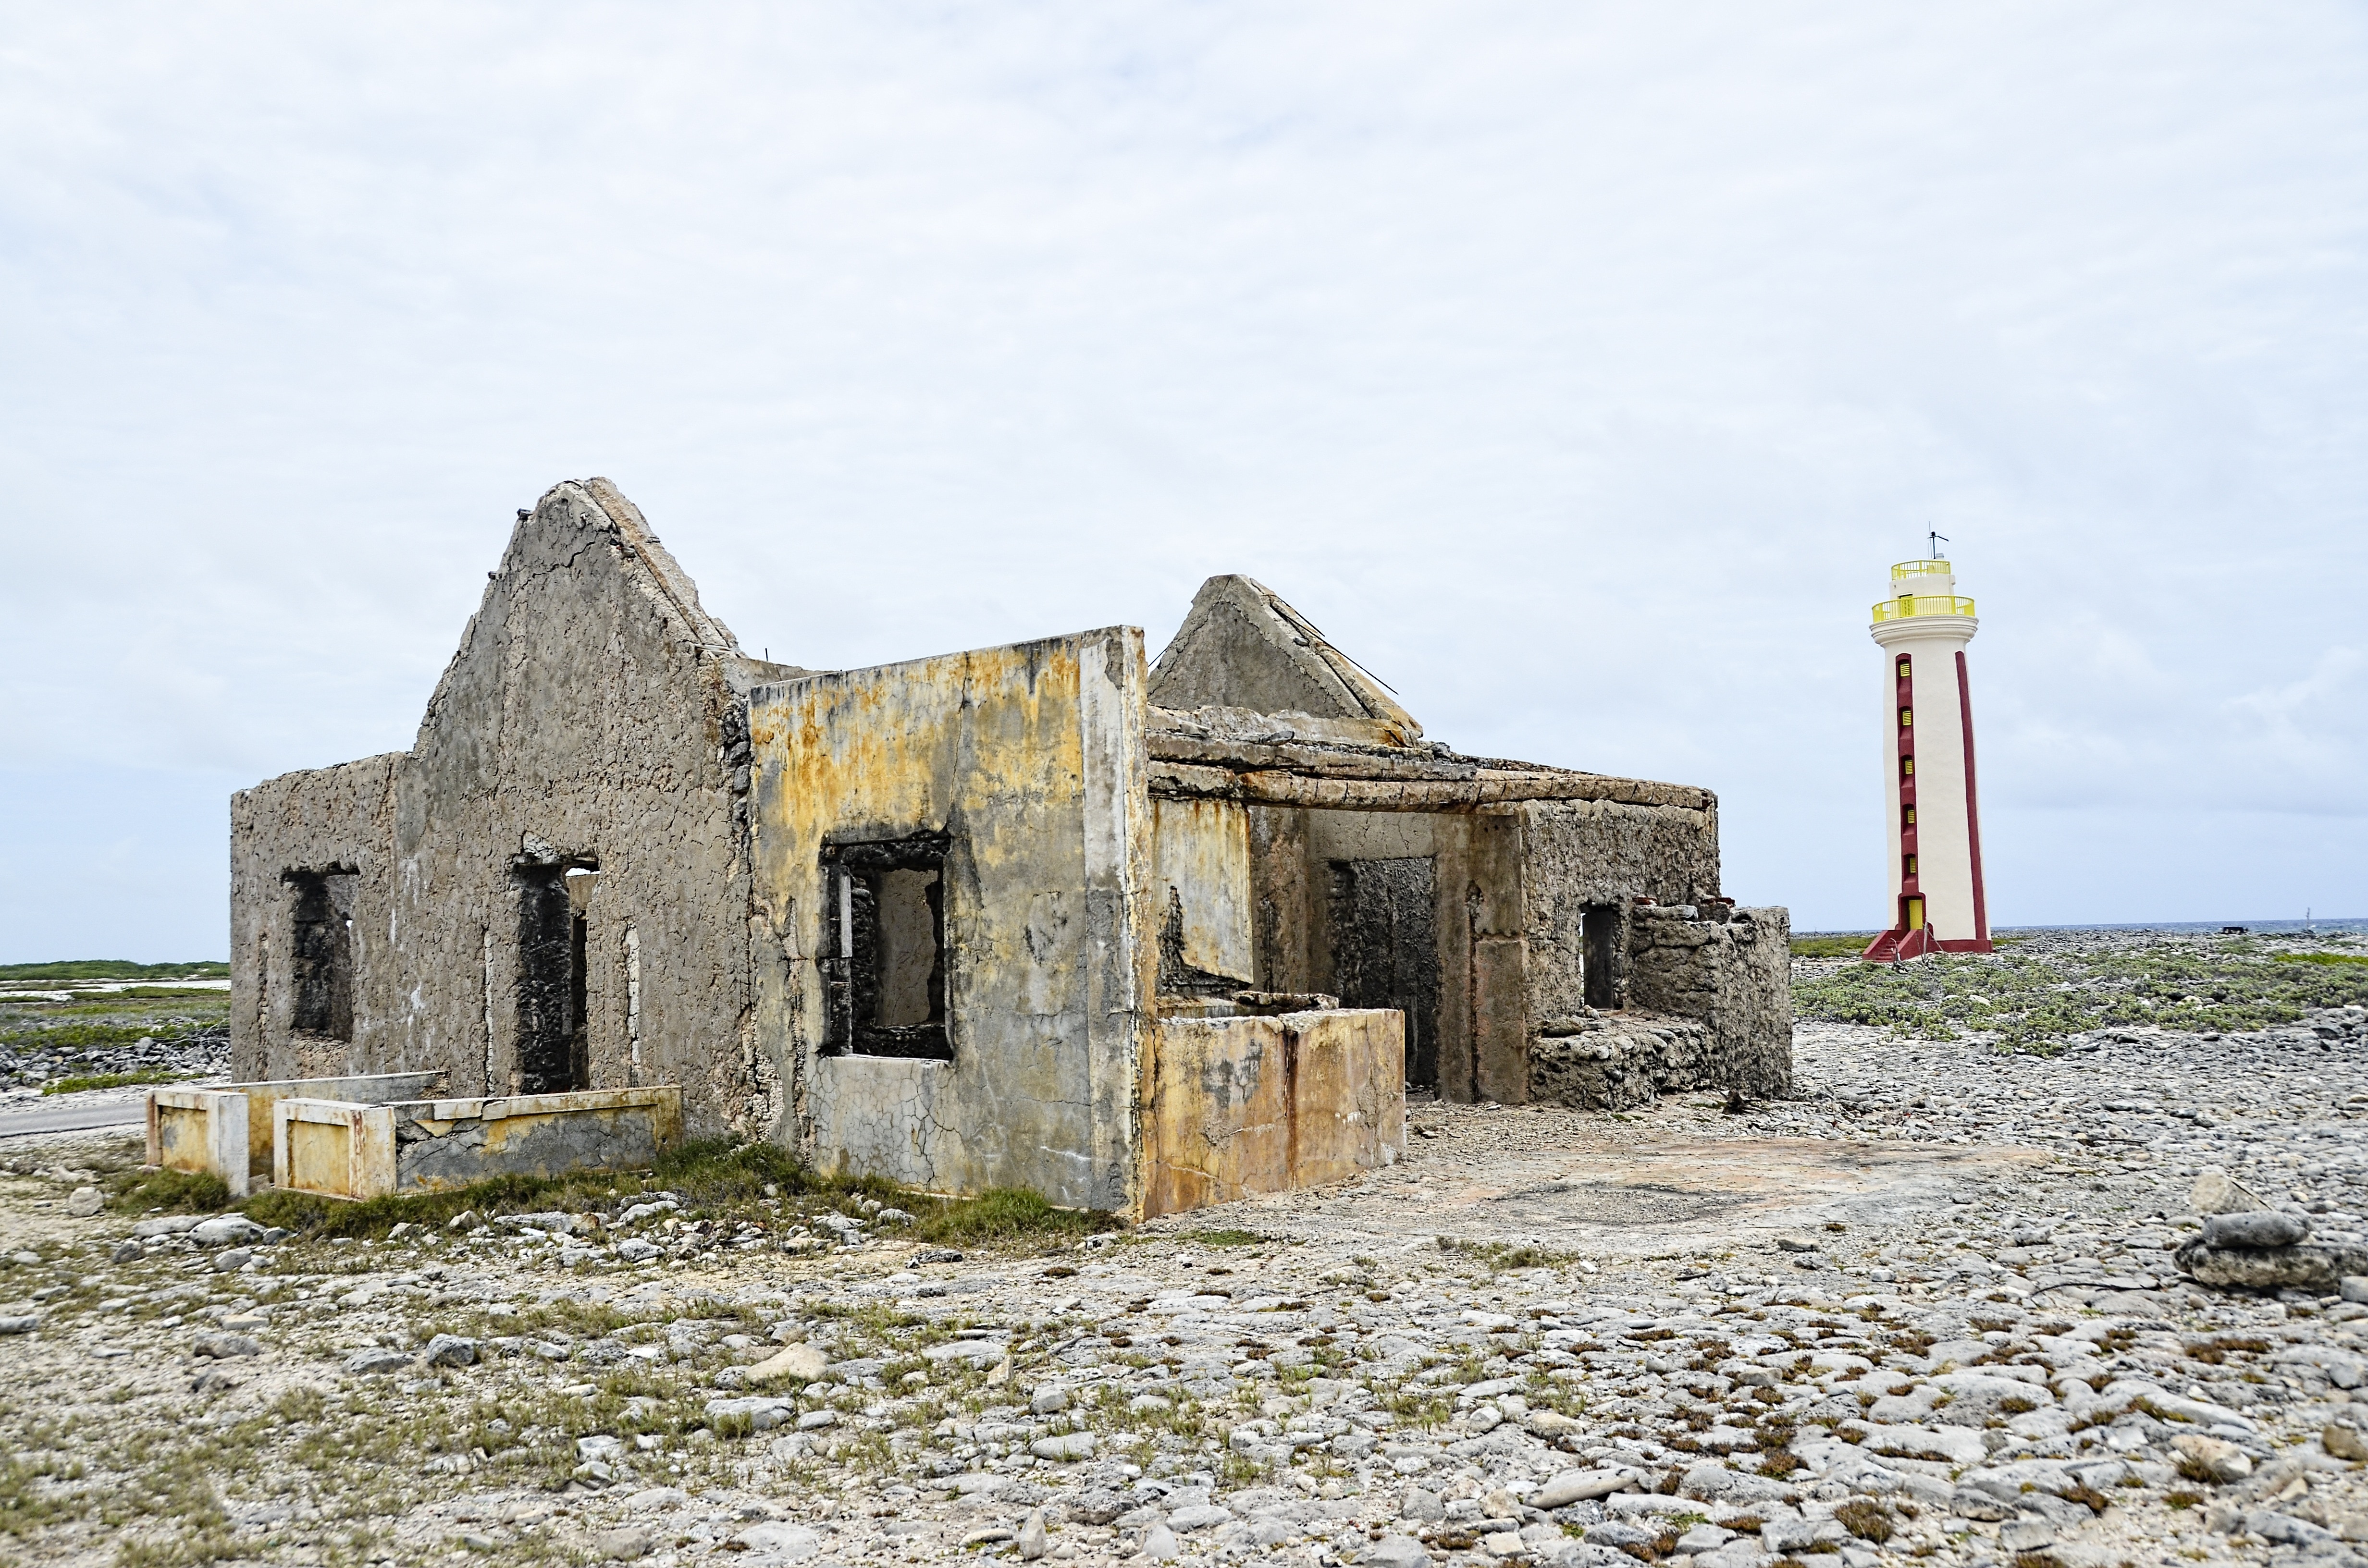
x: 224, y: 1347
x: 20, y: 1323
x: 1578, y: 1486
x: 788, y: 1542
x: 1160, y: 1546
x: 2255, y: 1229
x: 2217, y: 1192
x: 127, y: 1252
x: 226, y: 1229
x: 450, y: 1350
x: 622, y: 1544
x: 376, y: 1359
x: 2221, y: 1461
x: 1032, y: 1541
x: 233, y: 1259
x: 85, y: 1202
x: 799, y: 1363
x: 1068, y: 1445
x: 1390, y: 1551
x: 2343, y: 1442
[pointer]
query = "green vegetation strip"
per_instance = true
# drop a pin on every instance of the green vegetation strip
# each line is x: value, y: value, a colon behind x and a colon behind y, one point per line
x: 2036, y: 1002
x: 113, y: 1080
x: 113, y: 969
x: 715, y: 1179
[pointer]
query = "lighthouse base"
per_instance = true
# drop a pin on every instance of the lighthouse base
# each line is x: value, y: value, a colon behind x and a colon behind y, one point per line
x: 1893, y: 947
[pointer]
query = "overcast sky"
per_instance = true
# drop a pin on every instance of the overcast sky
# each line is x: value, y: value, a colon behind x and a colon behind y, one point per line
x: 1579, y: 369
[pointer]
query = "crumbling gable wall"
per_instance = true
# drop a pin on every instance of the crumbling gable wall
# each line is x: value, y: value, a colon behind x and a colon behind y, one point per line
x: 593, y: 717
x: 1241, y: 646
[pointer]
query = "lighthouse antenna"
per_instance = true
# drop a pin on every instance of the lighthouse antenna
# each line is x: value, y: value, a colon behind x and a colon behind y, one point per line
x: 1938, y: 540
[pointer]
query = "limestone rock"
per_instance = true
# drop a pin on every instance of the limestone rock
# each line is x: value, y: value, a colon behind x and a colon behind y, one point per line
x: 86, y: 1202
x: 2343, y: 1442
x: 2316, y: 1266
x: 1031, y: 1541
x: 450, y: 1350
x: 2217, y: 1192
x: 2219, y: 1460
x: 799, y: 1363
x: 1390, y: 1551
x: 1578, y: 1486
x: 2257, y: 1229
x: 226, y: 1229
x: 222, y: 1346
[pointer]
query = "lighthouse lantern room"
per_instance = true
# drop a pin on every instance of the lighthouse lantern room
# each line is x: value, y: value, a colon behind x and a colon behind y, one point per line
x: 1933, y: 832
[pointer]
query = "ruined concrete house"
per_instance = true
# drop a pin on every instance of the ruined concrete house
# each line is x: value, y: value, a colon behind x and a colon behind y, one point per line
x: 1138, y: 935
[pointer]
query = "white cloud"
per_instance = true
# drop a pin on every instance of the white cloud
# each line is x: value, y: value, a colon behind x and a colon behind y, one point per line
x: 1580, y: 368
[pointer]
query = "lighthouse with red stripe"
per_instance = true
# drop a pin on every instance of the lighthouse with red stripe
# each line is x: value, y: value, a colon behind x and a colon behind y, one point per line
x: 1934, y: 828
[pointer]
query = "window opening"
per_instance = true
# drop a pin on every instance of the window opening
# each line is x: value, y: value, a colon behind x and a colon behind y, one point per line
x: 884, y: 961
x: 553, y: 982
x: 322, y: 954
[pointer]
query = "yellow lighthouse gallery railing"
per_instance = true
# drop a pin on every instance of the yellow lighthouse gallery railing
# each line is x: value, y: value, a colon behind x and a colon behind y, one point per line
x: 1908, y: 604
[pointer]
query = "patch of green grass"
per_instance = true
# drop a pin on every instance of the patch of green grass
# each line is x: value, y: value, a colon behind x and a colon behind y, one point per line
x: 112, y: 1080
x: 1226, y: 1238
x: 177, y: 1192
x: 1006, y: 1216
x: 714, y: 1178
x: 2321, y: 957
x: 1498, y: 1256
x: 1832, y: 945
x: 113, y: 969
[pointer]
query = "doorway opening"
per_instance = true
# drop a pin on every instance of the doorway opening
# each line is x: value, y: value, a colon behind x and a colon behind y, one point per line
x: 322, y: 952
x: 1385, y: 950
x: 555, y: 1034
x: 1600, y: 966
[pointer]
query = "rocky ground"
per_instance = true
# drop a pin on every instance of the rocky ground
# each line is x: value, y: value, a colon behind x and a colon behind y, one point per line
x: 1928, y: 1310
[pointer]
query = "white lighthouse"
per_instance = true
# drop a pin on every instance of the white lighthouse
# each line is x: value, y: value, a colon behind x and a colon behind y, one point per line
x: 1934, y: 828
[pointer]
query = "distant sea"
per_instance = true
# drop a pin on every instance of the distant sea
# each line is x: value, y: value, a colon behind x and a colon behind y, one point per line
x: 2209, y: 927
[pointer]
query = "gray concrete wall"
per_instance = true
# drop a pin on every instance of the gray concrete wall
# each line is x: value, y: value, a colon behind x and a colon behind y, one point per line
x: 593, y: 713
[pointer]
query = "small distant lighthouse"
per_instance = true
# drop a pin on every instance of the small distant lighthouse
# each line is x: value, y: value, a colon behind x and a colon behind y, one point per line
x: 1934, y: 829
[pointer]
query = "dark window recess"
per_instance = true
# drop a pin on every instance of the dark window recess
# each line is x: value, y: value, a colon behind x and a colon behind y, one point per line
x: 554, y: 1040
x: 322, y: 953
x: 1599, y: 944
x: 884, y: 961
x: 1385, y: 950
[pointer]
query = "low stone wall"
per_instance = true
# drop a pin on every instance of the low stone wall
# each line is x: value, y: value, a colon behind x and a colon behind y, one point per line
x: 228, y: 1132
x: 342, y: 1150
x: 1239, y: 1106
x: 1731, y: 971
x: 1616, y: 1061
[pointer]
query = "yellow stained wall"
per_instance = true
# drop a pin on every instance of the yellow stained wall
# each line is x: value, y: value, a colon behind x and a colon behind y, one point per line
x: 1030, y: 757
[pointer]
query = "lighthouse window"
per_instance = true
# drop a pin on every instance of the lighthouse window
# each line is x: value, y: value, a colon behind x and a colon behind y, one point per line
x: 1906, y: 717
x: 1903, y: 669
x: 1911, y: 864
x: 1907, y: 816
x: 1907, y: 767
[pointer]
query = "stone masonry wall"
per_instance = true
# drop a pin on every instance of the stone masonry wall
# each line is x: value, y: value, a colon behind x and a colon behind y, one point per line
x: 1733, y: 975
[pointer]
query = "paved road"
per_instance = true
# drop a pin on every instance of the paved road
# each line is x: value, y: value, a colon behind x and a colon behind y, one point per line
x: 72, y: 1118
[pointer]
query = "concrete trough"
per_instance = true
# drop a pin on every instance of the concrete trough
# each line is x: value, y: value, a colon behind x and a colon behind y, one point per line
x: 1241, y: 1106
x: 228, y: 1132
x: 340, y: 1149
